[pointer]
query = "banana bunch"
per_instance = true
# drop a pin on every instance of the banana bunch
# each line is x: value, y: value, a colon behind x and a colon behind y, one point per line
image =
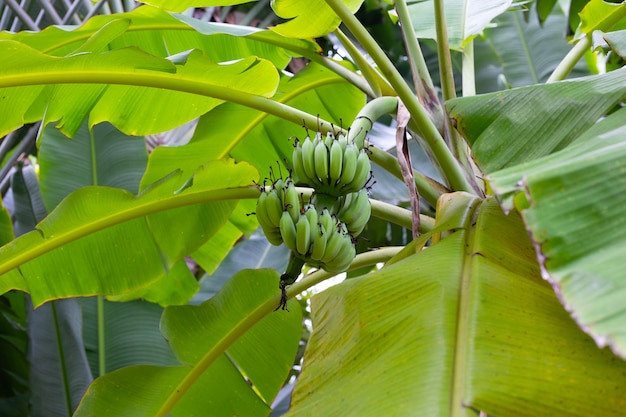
x: 331, y: 166
x: 320, y: 239
x: 281, y: 198
x: 353, y: 209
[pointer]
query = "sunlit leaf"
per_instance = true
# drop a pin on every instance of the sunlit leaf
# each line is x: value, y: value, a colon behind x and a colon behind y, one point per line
x: 181, y: 5
x: 140, y: 104
x: 101, y: 240
x: 600, y: 15
x: 309, y: 18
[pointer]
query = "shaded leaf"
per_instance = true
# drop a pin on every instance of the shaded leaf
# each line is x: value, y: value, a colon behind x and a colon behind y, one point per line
x: 514, y: 126
x: 573, y: 206
x: 127, y: 342
x: 617, y: 42
x: 246, y: 374
x: 466, y: 325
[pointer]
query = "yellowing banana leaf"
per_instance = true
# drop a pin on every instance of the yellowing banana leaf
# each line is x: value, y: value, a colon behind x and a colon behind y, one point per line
x: 308, y: 18
x: 514, y: 126
x: 223, y: 373
x: 136, y: 92
x: 463, y: 327
x: 102, y: 240
x: 573, y: 205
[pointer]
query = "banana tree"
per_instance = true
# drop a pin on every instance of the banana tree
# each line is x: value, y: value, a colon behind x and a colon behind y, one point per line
x: 506, y: 301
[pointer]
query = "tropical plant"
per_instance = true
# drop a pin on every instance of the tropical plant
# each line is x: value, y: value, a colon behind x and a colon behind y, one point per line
x: 499, y: 302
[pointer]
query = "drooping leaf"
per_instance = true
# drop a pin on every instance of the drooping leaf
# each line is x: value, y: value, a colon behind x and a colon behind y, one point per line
x: 573, y: 206
x: 514, y: 126
x: 145, y: 94
x: 308, y: 18
x: 464, y: 326
x: 464, y: 18
x: 245, y: 373
x: 617, y: 42
x: 163, y: 34
x: 101, y: 240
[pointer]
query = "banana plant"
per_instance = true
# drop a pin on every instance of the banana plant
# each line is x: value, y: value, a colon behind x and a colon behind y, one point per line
x: 505, y: 301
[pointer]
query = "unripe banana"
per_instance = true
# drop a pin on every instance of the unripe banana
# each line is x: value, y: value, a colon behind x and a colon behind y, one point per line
x: 343, y: 141
x: 333, y: 243
x: 327, y: 222
x: 274, y: 207
x: 325, y: 201
x: 355, y: 212
x: 330, y: 138
x: 303, y: 235
x: 318, y: 237
x: 350, y: 157
x: 361, y: 175
x: 288, y: 230
x: 344, y: 257
x: 308, y: 162
x: 321, y: 162
x: 292, y: 202
x: 299, y: 176
x: 335, y: 162
x: 273, y: 236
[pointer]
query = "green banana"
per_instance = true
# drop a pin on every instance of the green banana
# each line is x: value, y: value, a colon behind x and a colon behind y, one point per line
x: 333, y: 243
x: 292, y: 202
x: 318, y: 237
x: 308, y: 162
x: 343, y: 141
x: 335, y: 162
x: 344, y: 257
x: 321, y: 162
x: 274, y: 207
x: 361, y: 174
x: 288, y: 230
x: 303, y: 235
x: 355, y: 212
x: 350, y: 156
x: 299, y: 176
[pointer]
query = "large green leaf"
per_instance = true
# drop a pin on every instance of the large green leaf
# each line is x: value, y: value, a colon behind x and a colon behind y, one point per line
x: 163, y: 34
x: 466, y: 325
x: 309, y: 18
x: 573, y: 206
x: 225, y: 372
x: 181, y: 5
x: 146, y: 94
x: 514, y: 126
x: 102, y: 241
x: 464, y: 18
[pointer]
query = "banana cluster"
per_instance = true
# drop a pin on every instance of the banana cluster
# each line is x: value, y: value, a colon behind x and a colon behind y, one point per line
x: 330, y: 165
x: 318, y: 238
x: 353, y: 209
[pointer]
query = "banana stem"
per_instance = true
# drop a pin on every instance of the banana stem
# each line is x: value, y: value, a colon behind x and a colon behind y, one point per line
x: 371, y: 112
x: 366, y: 69
x: 571, y: 59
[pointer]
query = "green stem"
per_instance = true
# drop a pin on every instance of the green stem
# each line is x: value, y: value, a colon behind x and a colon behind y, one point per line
x: 423, y: 124
x: 372, y: 111
x: 368, y: 72
x: 102, y: 368
x: 570, y: 60
x: 400, y: 216
x: 62, y: 363
x: 443, y: 50
x: 419, y: 69
x: 469, y: 73
x: 262, y: 311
